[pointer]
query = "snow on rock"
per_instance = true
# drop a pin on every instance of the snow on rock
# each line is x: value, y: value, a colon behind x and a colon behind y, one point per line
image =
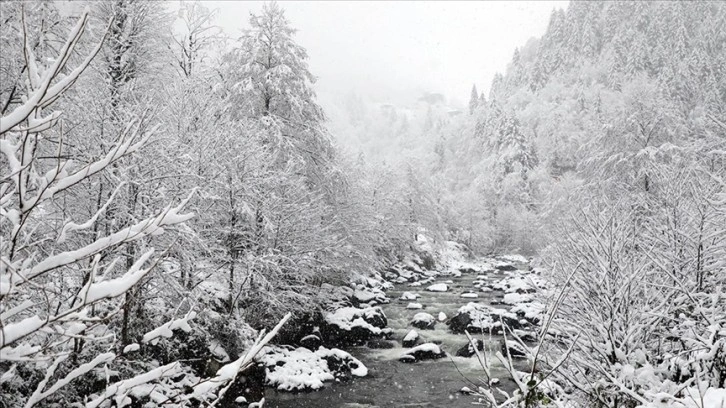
x: 300, y: 369
x: 505, y: 266
x: 438, y: 287
x: 467, y: 350
x: 409, y: 296
x: 516, y: 298
x: 413, y: 305
x: 469, y: 295
x: 442, y: 316
x: 532, y: 312
x: 369, y: 296
x: 479, y: 318
x: 520, y: 284
x: 426, y: 351
x: 423, y: 321
x: 351, y: 325
x: 410, y: 339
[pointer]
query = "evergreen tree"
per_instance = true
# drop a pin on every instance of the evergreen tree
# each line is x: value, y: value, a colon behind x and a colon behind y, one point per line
x: 273, y: 87
x: 473, y: 100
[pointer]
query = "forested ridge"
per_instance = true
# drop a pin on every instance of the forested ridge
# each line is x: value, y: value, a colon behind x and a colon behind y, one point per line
x: 173, y: 202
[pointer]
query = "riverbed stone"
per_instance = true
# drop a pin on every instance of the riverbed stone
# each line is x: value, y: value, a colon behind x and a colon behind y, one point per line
x: 380, y: 344
x: 480, y: 318
x: 438, y: 287
x: 410, y: 339
x: 354, y: 326
x: 423, y: 321
x: 467, y: 350
x: 426, y: 351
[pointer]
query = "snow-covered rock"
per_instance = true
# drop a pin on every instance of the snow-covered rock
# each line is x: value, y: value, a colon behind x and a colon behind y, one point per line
x: 409, y: 296
x: 410, y: 339
x: 423, y: 321
x: 351, y: 325
x: 479, y: 318
x: 413, y: 305
x: 301, y: 369
x: 442, y: 316
x: 426, y: 351
x: 505, y: 266
x: 516, y: 298
x: 438, y: 287
x: 369, y: 296
x: 533, y: 312
x: 520, y: 284
x: 469, y: 295
x: 467, y: 350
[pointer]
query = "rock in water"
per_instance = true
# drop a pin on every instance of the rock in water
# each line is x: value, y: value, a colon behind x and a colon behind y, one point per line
x: 423, y: 321
x: 438, y: 287
x: 353, y: 326
x: 411, y: 339
x: 409, y: 296
x: 442, y: 316
x: 505, y: 266
x: 468, y: 351
x: 414, y: 306
x: 479, y: 318
x: 380, y: 344
x: 426, y: 351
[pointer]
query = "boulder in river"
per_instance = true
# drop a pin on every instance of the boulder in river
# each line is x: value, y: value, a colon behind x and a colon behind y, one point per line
x: 426, y: 351
x: 380, y: 344
x: 423, y: 321
x: 531, y: 312
x: 468, y: 349
x: 411, y: 339
x: 409, y: 296
x: 354, y: 326
x: 438, y: 287
x: 505, y: 266
x: 369, y: 296
x: 289, y: 369
x: 479, y: 318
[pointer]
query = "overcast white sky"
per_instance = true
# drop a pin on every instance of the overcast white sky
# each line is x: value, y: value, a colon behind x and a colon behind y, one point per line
x: 397, y: 50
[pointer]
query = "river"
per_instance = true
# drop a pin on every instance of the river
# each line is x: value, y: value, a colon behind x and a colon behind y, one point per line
x: 390, y: 383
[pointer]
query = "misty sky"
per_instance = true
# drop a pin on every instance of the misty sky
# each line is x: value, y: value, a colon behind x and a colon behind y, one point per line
x: 394, y: 51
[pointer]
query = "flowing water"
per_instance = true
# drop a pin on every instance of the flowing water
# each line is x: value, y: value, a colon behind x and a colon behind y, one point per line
x: 391, y: 383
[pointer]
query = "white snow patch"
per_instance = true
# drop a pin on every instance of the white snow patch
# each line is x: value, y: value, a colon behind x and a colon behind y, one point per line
x: 438, y: 287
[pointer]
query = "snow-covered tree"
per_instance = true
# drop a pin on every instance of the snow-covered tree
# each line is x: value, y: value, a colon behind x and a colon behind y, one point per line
x: 473, y: 100
x: 271, y: 84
